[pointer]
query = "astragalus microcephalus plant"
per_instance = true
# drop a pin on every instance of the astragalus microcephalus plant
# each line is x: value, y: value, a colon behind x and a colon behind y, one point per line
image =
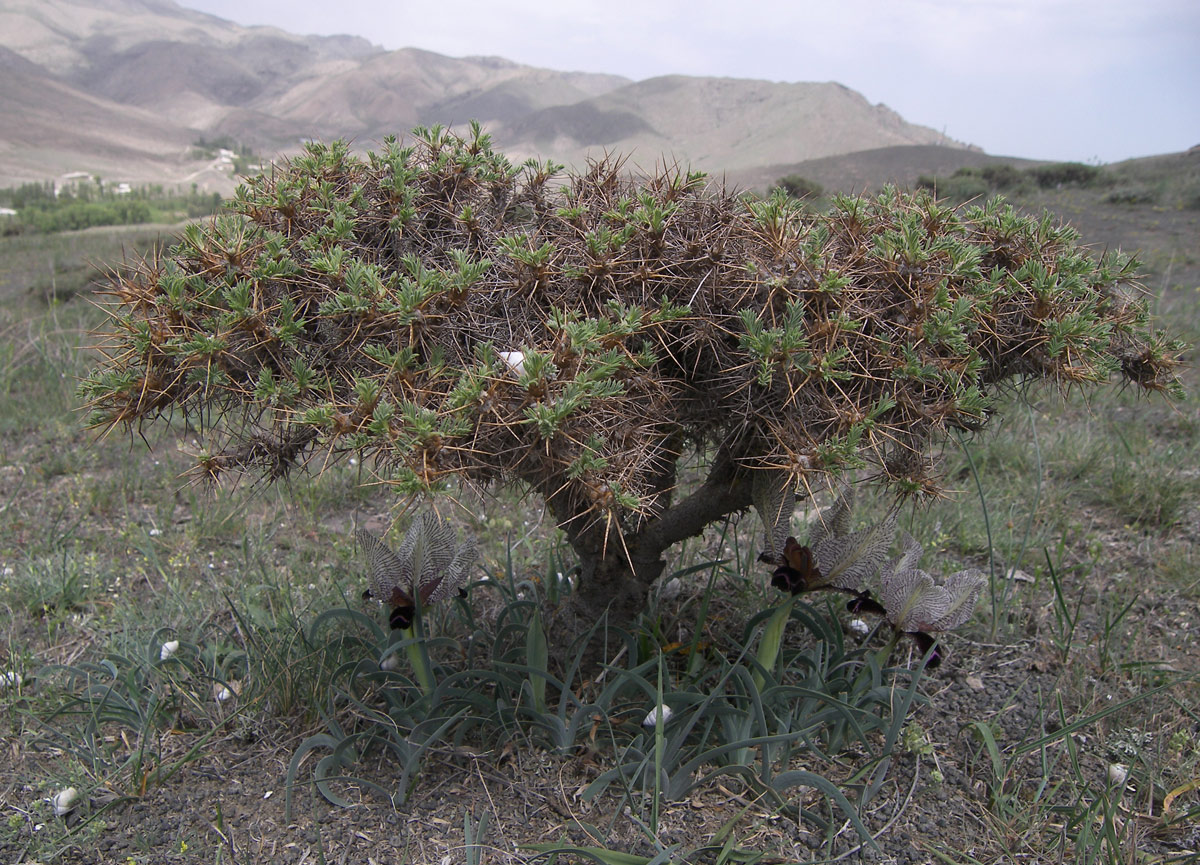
x: 447, y: 318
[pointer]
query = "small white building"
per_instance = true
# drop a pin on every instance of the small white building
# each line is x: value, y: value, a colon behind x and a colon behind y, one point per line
x: 73, y: 180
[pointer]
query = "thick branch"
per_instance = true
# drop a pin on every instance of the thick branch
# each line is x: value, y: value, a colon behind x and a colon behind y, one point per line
x: 724, y: 491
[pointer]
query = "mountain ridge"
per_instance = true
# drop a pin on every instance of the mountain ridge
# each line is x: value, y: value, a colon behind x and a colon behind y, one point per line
x: 122, y: 87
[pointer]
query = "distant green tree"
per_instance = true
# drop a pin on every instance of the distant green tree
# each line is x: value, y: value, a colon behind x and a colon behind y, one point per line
x: 798, y: 186
x: 28, y: 195
x: 1064, y: 174
x: 1002, y: 177
x: 40, y: 209
x: 965, y: 184
x: 971, y: 182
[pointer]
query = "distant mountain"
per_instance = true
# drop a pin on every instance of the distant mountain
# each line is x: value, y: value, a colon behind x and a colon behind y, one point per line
x: 391, y: 92
x: 718, y: 124
x: 124, y: 87
x: 50, y: 128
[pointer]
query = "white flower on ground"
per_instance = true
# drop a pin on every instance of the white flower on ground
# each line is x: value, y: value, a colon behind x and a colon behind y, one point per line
x: 10, y: 679
x: 651, y: 718
x: 64, y: 801
x: 169, y: 648
x: 858, y: 627
x: 515, y: 361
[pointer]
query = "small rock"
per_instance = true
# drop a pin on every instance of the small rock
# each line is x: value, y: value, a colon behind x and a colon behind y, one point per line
x: 651, y: 719
x: 64, y: 801
x: 515, y: 361
x: 1118, y: 773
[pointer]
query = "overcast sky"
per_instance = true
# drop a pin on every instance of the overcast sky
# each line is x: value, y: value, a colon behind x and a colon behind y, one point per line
x: 1085, y: 80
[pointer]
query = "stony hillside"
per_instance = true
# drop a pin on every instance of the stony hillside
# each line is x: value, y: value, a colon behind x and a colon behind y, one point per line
x: 51, y: 128
x: 123, y: 87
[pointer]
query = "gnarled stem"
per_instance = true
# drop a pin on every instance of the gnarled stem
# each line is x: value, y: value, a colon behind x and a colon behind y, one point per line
x: 618, y: 566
